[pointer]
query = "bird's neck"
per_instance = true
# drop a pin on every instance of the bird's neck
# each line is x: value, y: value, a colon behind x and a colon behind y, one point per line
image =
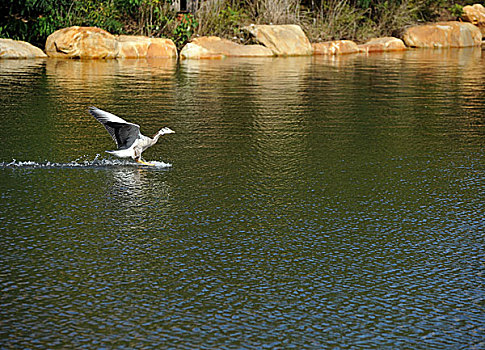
x: 156, y: 136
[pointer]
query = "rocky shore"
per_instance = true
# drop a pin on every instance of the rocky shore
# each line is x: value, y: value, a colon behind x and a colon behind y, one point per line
x: 270, y: 40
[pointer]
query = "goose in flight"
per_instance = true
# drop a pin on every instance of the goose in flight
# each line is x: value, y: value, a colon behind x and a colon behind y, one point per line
x: 130, y: 142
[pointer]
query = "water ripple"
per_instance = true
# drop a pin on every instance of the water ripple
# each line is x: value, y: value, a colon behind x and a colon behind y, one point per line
x: 78, y: 163
x: 314, y: 203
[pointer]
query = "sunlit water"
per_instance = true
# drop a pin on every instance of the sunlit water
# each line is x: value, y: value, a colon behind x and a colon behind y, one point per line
x: 302, y: 203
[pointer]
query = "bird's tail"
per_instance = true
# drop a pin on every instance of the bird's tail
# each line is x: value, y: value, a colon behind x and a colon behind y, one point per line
x: 122, y: 153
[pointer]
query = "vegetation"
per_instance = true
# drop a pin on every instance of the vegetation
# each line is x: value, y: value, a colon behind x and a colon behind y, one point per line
x: 34, y: 20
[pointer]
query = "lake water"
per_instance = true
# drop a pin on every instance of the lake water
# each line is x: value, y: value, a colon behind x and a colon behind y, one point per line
x: 303, y: 203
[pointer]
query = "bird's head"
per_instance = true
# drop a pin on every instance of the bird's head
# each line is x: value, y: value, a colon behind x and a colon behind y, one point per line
x: 165, y: 131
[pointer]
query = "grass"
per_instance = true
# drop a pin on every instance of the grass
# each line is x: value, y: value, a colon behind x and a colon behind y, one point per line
x: 321, y: 20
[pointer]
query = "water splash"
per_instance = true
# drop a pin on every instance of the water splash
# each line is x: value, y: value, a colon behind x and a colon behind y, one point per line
x: 97, y: 162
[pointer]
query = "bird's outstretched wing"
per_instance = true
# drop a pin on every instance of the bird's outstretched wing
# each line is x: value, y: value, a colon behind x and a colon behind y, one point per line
x: 122, y: 132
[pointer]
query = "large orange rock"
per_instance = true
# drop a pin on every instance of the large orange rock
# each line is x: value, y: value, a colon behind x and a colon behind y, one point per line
x: 19, y: 49
x: 383, y: 45
x: 212, y: 47
x: 194, y: 51
x: 131, y: 46
x: 81, y: 42
x: 443, y: 34
x: 92, y: 42
x: 337, y: 47
x: 475, y: 14
x: 283, y: 40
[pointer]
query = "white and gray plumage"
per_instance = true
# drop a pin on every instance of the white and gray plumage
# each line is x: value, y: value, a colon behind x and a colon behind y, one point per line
x: 131, y: 143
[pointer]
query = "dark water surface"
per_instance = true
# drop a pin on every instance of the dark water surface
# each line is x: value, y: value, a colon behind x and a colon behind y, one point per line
x: 302, y: 203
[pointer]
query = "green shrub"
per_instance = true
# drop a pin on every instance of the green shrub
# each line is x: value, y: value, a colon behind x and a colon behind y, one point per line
x: 184, y: 30
x: 93, y: 13
x: 456, y: 10
x: 34, y: 20
x: 148, y: 17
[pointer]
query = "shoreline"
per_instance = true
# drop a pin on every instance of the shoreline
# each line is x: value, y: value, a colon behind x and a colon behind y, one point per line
x: 267, y: 41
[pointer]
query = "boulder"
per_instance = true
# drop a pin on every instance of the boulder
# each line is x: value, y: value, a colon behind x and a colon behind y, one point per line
x: 337, y: 47
x: 131, y: 46
x: 92, y: 42
x: 81, y: 42
x: 443, y: 34
x: 19, y: 49
x: 475, y: 14
x: 194, y: 51
x: 283, y: 40
x: 383, y: 45
x: 212, y: 47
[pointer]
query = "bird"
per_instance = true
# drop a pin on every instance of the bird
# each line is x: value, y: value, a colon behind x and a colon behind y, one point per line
x: 131, y: 143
